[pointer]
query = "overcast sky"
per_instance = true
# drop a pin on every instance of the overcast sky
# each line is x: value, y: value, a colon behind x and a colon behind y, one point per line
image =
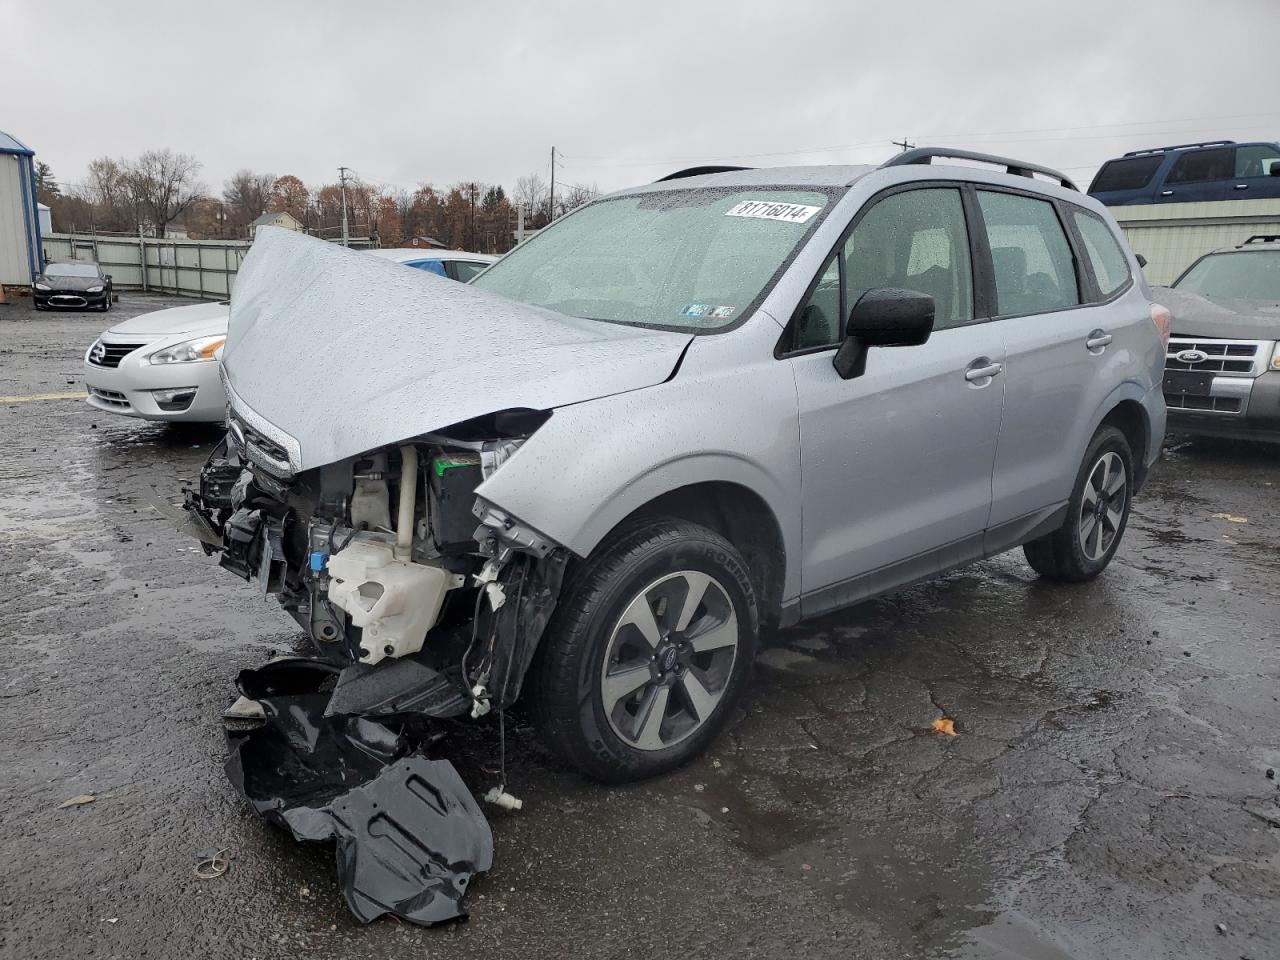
x: 412, y: 92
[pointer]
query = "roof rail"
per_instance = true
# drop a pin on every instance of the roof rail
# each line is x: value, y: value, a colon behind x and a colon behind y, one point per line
x: 698, y: 172
x: 1262, y: 238
x: 1016, y: 167
x: 1181, y: 146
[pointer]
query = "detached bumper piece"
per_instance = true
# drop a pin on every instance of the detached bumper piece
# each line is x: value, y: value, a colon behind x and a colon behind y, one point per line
x: 409, y: 836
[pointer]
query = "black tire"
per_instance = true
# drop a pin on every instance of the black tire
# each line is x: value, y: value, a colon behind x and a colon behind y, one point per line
x: 1065, y: 554
x: 648, y: 561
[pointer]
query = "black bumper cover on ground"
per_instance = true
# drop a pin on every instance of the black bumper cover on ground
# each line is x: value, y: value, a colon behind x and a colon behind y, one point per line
x: 409, y: 835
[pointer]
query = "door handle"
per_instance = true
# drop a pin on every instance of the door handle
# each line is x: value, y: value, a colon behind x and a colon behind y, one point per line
x: 1097, y: 340
x: 1242, y: 186
x: 983, y: 373
x: 1166, y: 193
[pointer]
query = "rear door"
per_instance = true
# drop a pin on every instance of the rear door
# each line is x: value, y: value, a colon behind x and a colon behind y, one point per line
x: 896, y: 463
x: 1198, y: 175
x: 1127, y: 180
x: 1064, y: 344
x: 1253, y: 179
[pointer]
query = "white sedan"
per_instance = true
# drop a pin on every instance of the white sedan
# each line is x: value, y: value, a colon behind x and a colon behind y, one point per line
x: 163, y: 365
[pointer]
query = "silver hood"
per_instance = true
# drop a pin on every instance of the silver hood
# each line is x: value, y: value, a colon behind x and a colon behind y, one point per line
x: 343, y: 353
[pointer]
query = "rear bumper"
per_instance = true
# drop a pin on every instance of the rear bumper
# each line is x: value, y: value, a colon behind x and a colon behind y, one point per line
x: 1259, y: 421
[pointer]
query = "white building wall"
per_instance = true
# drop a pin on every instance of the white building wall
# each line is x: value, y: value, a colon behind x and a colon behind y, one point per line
x: 15, y: 266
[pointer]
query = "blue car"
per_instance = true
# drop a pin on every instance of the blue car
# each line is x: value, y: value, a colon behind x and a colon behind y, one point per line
x: 1190, y: 172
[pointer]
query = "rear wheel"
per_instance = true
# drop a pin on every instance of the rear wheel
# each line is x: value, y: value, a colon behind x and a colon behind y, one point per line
x: 650, y: 649
x: 1097, y: 514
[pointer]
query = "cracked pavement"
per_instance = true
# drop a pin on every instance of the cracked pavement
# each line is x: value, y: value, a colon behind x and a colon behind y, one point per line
x: 1105, y: 795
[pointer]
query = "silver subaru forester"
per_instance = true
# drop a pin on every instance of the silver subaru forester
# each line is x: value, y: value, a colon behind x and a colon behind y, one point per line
x: 681, y: 416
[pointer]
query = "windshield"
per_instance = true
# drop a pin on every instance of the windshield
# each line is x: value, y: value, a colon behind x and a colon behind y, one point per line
x: 694, y: 260
x: 71, y: 270
x: 1253, y: 275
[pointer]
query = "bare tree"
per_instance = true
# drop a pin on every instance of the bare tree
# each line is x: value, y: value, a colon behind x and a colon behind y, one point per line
x: 574, y: 196
x: 532, y: 193
x: 246, y: 195
x: 164, y: 185
x: 106, y: 191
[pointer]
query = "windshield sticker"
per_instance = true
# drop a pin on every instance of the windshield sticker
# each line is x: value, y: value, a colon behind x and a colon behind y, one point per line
x: 768, y: 210
x: 713, y: 311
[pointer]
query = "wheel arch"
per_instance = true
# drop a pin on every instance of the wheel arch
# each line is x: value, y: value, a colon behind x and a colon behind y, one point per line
x: 1130, y: 417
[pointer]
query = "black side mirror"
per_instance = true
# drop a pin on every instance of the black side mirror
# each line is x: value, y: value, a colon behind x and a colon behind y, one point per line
x: 883, y: 317
x: 1275, y: 168
x: 106, y: 276
x: 1142, y: 261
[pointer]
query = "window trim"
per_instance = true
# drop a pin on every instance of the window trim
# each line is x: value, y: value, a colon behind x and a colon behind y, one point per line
x: 780, y: 351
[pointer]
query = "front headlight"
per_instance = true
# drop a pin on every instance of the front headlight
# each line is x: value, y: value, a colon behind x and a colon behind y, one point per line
x: 97, y: 289
x: 1275, y: 358
x: 43, y: 286
x: 188, y: 351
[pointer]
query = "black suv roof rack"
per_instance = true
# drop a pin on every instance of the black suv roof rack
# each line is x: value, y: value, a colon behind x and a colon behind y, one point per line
x: 1016, y: 167
x: 698, y: 172
x: 1262, y: 238
x: 1181, y: 146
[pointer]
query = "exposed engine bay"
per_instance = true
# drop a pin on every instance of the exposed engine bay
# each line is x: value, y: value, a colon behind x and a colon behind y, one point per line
x: 421, y: 601
x: 391, y: 554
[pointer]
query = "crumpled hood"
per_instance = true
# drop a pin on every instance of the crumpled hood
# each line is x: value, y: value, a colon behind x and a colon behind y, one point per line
x: 346, y: 353
x: 1233, y: 319
x: 199, y: 319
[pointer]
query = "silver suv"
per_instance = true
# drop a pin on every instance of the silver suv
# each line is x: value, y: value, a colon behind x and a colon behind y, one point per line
x: 681, y: 416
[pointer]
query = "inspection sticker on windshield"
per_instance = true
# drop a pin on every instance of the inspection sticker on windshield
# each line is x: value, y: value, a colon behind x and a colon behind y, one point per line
x: 769, y: 210
x: 712, y: 310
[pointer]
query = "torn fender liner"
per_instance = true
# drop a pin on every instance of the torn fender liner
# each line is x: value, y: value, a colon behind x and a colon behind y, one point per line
x: 397, y: 686
x: 409, y: 835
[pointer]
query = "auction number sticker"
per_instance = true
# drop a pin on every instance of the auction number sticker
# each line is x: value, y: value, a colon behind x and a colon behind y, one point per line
x: 715, y: 311
x: 771, y: 210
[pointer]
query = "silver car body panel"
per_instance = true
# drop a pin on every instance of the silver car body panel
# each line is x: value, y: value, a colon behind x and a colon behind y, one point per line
x: 907, y: 462
x: 390, y: 353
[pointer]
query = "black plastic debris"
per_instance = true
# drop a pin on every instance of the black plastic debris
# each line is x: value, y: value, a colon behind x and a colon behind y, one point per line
x: 409, y: 836
x: 406, y: 685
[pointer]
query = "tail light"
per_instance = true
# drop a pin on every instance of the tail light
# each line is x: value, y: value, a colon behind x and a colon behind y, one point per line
x: 1163, y: 320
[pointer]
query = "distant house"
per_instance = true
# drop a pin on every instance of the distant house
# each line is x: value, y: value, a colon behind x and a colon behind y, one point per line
x: 430, y: 242
x: 280, y: 219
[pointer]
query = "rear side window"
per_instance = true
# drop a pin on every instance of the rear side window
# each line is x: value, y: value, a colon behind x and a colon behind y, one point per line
x: 1110, y: 265
x: 1200, y: 165
x: 1255, y: 160
x: 467, y: 269
x: 1130, y: 173
x: 1034, y: 268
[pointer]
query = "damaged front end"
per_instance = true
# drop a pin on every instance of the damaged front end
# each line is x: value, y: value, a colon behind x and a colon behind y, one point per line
x: 421, y: 600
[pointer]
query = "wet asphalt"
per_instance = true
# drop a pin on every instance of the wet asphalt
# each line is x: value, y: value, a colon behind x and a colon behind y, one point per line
x: 1105, y: 796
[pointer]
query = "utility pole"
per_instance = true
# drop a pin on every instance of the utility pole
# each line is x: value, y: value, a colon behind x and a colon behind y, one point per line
x: 342, y: 180
x: 903, y: 144
x: 552, y: 214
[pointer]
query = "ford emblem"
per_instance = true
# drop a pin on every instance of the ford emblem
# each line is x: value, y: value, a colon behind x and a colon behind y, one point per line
x: 1192, y: 356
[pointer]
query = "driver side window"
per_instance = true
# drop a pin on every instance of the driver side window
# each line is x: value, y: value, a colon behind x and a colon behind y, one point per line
x: 913, y: 240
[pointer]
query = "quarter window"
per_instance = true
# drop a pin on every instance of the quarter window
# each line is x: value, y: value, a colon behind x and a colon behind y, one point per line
x: 1130, y: 173
x: 915, y: 240
x: 1201, y: 165
x: 1110, y: 265
x: 818, y: 322
x: 1034, y: 267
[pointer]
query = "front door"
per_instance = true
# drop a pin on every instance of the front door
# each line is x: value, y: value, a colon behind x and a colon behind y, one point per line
x: 1198, y: 175
x: 896, y: 463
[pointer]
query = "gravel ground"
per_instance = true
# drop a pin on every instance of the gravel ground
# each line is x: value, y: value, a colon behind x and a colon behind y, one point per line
x: 1106, y: 795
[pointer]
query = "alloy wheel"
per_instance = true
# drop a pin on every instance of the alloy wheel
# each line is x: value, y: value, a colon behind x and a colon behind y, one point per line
x: 669, y: 660
x: 1102, y: 507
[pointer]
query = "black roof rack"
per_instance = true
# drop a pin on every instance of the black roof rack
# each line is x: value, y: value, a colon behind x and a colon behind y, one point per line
x: 1016, y: 167
x: 698, y: 172
x: 1262, y: 238
x: 1181, y: 146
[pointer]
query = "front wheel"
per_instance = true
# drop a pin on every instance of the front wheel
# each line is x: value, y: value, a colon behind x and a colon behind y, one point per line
x: 649, y: 650
x: 1097, y: 514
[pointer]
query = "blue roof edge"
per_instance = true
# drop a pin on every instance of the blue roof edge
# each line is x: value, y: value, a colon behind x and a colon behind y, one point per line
x: 20, y: 148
